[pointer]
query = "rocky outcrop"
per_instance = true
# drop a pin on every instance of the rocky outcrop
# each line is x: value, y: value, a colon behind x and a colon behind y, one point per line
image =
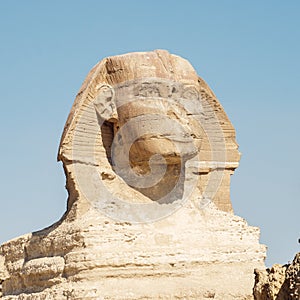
x: 148, y: 152
x: 281, y: 282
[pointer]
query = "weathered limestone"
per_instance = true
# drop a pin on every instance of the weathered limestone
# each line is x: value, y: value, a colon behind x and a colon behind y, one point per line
x: 279, y: 282
x: 210, y: 253
x: 148, y: 152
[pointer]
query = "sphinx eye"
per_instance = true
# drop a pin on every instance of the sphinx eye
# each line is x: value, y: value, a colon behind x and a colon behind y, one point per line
x: 149, y: 91
x: 190, y: 93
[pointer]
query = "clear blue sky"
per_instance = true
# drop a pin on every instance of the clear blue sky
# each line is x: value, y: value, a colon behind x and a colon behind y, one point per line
x: 247, y: 51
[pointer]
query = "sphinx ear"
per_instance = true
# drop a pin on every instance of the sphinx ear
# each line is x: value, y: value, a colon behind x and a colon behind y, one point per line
x: 104, y: 102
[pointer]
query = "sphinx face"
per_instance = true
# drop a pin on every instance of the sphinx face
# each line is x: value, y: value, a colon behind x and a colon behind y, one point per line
x: 152, y: 114
x: 152, y: 136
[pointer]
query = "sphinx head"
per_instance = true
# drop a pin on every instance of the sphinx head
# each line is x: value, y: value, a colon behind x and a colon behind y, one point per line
x: 147, y: 123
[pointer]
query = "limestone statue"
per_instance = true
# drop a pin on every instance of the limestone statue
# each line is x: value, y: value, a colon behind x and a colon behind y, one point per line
x: 148, y: 152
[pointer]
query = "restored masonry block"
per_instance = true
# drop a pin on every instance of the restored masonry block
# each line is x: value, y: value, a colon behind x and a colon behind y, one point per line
x: 148, y: 152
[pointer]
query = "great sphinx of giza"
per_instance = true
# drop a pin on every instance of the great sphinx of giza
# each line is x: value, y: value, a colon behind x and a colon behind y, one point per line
x: 148, y: 152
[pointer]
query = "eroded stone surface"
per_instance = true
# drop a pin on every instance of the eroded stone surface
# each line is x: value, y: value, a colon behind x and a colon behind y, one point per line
x: 279, y: 282
x: 208, y: 253
x: 148, y: 152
